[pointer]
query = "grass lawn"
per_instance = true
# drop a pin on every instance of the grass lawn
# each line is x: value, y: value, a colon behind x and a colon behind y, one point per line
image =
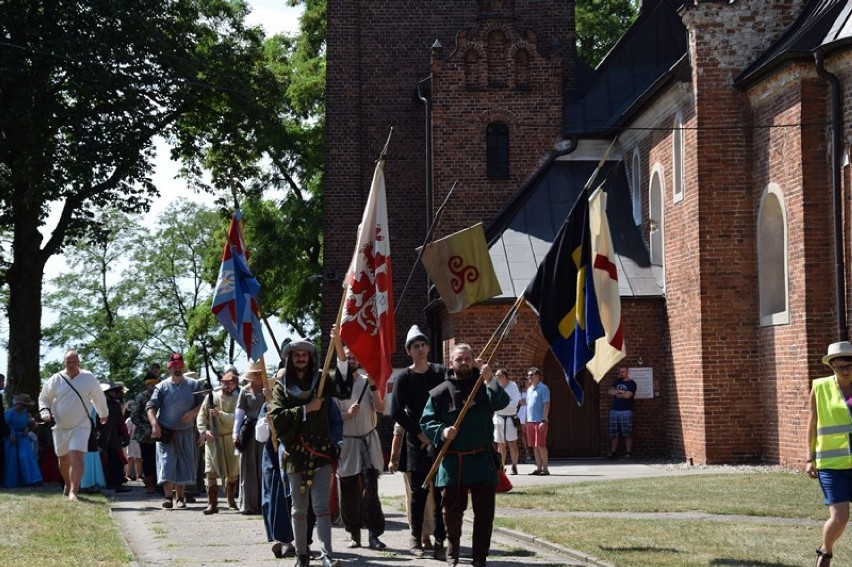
x: 40, y: 527
x: 771, y: 519
x: 759, y: 541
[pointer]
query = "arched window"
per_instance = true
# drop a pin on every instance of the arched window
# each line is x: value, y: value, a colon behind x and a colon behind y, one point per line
x: 497, y: 150
x: 522, y: 70
x: 656, y: 226
x: 636, y: 188
x: 677, y: 158
x: 772, y: 257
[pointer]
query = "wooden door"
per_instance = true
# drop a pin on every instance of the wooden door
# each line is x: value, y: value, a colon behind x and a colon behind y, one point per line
x: 574, y: 430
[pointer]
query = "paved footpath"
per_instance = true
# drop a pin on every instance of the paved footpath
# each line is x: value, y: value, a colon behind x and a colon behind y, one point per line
x: 188, y: 537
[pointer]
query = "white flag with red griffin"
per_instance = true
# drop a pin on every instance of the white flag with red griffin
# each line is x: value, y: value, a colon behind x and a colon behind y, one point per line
x: 367, y: 325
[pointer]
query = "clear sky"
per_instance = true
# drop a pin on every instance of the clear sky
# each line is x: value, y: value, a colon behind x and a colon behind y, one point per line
x: 275, y: 17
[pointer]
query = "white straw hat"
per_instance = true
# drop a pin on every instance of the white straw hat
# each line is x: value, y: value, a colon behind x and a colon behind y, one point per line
x: 836, y: 350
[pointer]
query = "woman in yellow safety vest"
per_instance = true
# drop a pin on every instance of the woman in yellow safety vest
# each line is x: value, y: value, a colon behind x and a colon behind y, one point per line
x: 829, y: 431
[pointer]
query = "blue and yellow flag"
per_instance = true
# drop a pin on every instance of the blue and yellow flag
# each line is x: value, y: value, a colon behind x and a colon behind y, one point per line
x: 563, y: 295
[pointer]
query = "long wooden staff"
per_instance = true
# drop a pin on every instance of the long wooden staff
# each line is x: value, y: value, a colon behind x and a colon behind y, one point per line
x: 330, y: 351
x: 422, y: 248
x: 327, y: 364
x: 502, y: 331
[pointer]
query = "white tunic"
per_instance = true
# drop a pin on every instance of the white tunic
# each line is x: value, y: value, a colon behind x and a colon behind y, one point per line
x: 67, y: 410
x: 361, y: 445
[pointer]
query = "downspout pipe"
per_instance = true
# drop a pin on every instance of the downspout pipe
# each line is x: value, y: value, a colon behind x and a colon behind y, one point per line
x: 434, y: 333
x: 837, y: 188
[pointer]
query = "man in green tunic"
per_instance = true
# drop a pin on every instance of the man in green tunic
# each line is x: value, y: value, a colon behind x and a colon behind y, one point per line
x: 469, y: 465
x: 300, y: 417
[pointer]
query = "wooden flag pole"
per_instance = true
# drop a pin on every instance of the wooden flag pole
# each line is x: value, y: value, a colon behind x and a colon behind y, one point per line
x: 330, y: 352
x: 327, y: 364
x: 469, y: 402
x: 429, y: 234
x: 507, y: 320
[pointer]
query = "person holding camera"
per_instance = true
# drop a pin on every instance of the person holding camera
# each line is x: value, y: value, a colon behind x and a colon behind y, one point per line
x: 506, y: 422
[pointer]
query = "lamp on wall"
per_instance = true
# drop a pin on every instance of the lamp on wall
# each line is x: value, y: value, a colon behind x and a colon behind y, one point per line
x: 565, y: 146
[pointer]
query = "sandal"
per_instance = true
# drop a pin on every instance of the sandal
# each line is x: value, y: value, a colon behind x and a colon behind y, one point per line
x: 823, y: 558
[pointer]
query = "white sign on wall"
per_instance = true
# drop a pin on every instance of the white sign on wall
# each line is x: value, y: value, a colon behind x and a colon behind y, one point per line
x: 644, y: 378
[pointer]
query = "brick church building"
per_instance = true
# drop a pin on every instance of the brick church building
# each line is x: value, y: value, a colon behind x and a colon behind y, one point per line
x: 728, y: 189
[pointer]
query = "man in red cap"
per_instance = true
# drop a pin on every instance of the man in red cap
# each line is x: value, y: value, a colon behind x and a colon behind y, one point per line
x: 172, y: 411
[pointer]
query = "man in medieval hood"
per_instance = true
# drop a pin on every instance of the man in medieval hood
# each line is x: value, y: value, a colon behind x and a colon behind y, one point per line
x: 300, y: 418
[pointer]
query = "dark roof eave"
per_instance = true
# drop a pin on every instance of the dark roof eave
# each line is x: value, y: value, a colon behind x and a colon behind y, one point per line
x: 746, y: 81
x: 679, y: 72
x: 494, y: 229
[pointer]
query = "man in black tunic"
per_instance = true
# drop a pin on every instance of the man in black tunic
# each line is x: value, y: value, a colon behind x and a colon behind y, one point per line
x: 410, y: 391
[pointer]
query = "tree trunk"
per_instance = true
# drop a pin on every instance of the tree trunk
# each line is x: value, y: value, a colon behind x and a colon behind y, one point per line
x: 25, y: 279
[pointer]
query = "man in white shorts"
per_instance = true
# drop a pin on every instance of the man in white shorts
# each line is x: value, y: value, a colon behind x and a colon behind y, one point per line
x: 65, y: 400
x: 506, y: 421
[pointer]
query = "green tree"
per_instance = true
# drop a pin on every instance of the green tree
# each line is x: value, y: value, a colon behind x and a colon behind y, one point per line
x: 283, y: 208
x: 131, y: 295
x: 178, y: 264
x: 600, y: 24
x: 94, y: 299
x: 85, y: 88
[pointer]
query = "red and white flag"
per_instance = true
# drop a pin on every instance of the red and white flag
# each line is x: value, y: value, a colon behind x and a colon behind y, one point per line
x: 367, y: 325
x: 609, y: 349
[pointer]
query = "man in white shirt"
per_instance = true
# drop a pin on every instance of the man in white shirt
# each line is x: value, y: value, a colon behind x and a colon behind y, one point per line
x: 506, y: 421
x: 64, y: 400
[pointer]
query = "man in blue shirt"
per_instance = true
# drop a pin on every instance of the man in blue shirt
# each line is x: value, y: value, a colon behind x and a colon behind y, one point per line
x: 538, y: 408
x: 621, y: 414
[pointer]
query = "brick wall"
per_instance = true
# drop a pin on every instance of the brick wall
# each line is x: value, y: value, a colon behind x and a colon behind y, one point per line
x: 470, y: 95
x: 378, y: 52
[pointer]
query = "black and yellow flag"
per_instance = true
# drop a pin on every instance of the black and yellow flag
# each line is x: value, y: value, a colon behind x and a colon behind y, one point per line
x: 563, y: 295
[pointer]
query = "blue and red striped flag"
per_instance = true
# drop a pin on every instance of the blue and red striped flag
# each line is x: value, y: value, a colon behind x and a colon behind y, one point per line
x: 235, y: 302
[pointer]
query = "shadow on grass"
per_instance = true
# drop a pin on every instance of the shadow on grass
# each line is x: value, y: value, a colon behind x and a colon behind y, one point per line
x: 642, y: 549
x: 513, y: 552
x: 752, y: 563
x: 721, y: 561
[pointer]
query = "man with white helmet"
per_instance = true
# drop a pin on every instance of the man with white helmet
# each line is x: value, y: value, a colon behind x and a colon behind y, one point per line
x: 410, y: 392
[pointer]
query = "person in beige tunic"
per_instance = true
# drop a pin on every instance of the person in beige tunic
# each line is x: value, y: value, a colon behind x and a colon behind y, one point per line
x: 215, y: 422
x: 361, y: 460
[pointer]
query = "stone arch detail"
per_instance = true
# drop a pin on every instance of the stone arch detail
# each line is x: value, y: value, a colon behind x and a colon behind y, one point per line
x: 509, y: 117
x: 519, y: 45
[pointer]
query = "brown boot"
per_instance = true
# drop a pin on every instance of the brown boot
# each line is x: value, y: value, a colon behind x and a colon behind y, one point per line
x: 231, y: 490
x: 212, y: 500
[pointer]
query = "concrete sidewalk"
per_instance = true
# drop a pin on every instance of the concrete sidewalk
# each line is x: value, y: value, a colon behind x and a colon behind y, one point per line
x: 158, y: 537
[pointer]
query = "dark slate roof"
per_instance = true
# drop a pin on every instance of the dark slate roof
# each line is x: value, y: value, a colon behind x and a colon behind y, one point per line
x: 521, y: 235
x: 822, y: 25
x: 649, y: 56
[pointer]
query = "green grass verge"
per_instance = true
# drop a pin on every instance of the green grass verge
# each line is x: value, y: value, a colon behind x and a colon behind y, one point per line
x: 40, y: 527
x: 655, y: 543
x: 759, y: 541
x: 778, y: 494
